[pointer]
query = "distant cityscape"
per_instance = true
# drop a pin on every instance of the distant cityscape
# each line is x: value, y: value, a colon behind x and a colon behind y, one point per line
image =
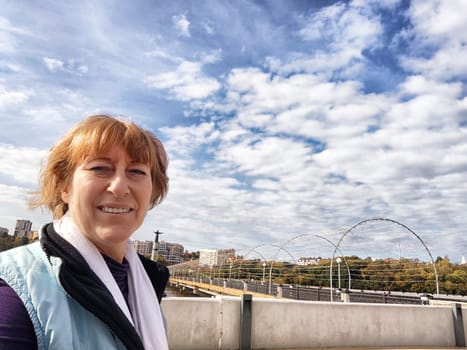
x: 22, y: 229
x: 403, y: 274
x: 166, y: 252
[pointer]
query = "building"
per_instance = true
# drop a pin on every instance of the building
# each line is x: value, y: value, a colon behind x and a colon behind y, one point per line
x: 23, y: 228
x: 143, y: 247
x: 3, y: 231
x: 171, y: 252
x: 207, y: 257
x: 308, y: 261
x: 215, y: 257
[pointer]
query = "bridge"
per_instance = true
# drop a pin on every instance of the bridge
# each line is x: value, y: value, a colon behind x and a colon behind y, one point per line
x: 342, y: 270
x: 252, y: 308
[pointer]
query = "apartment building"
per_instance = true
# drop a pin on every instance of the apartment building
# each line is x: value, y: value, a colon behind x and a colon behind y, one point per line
x: 215, y: 257
x: 23, y: 228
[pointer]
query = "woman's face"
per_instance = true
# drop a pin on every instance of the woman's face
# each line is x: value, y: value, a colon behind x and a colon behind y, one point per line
x: 108, y: 198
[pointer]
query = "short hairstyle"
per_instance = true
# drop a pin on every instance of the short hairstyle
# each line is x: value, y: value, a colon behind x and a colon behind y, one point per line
x: 92, y: 136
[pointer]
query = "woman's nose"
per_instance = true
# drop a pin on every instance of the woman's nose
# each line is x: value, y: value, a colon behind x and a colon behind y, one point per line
x: 119, y: 184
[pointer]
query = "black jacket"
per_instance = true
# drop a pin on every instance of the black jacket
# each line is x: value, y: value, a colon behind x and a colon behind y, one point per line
x: 83, y: 285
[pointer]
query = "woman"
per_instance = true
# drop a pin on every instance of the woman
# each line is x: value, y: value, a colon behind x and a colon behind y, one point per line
x: 83, y: 286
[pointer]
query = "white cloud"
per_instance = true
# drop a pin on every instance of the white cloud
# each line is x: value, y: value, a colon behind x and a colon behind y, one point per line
x: 208, y: 27
x: 13, y: 97
x: 343, y: 32
x: 384, y: 154
x: 444, y: 64
x: 438, y: 22
x: 438, y: 36
x: 21, y: 164
x: 406, y: 150
x: 53, y: 64
x: 12, y: 67
x: 9, y: 35
x: 267, y: 156
x: 183, y: 140
x: 388, y: 4
x: 70, y: 66
x: 160, y: 53
x: 182, y: 25
x: 212, y: 57
x: 420, y: 85
x: 303, y: 104
x: 186, y: 83
x: 82, y: 68
x: 71, y: 106
x: 13, y: 194
x: 343, y: 27
x: 266, y: 184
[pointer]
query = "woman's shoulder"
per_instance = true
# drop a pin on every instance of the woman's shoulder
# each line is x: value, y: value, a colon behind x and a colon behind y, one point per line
x: 23, y: 255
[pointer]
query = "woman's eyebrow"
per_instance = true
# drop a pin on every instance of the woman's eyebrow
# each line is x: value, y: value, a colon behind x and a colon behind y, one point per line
x: 135, y: 162
x: 89, y: 160
x: 92, y: 159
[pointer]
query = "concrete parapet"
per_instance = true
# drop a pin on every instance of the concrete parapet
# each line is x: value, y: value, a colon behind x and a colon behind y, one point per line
x: 311, y: 324
x: 202, y: 323
x: 214, y: 323
x: 459, y: 331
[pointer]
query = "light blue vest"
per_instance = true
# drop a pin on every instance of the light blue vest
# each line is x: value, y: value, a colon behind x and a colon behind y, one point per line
x: 59, y: 321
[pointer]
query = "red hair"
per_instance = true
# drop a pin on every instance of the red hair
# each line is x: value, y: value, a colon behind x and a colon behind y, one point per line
x: 92, y: 136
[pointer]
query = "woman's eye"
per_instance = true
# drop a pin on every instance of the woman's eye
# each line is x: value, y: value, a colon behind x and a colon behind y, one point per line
x: 137, y: 171
x: 101, y: 169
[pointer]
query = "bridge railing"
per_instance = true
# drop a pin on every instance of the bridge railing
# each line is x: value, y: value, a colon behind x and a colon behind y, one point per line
x: 310, y: 293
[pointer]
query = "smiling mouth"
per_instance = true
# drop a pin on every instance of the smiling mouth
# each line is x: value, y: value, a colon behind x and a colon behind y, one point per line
x: 115, y: 210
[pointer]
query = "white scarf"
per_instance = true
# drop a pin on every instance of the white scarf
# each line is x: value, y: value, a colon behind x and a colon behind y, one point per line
x: 146, y: 315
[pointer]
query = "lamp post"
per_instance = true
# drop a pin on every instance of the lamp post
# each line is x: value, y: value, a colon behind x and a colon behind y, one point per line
x: 338, y: 261
x: 270, y: 277
x: 155, y: 246
x: 230, y: 271
x: 264, y: 272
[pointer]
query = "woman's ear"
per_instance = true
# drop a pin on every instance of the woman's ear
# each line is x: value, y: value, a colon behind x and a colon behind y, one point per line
x: 65, y: 195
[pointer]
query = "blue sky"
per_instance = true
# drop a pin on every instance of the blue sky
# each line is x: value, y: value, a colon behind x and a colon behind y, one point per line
x: 281, y: 118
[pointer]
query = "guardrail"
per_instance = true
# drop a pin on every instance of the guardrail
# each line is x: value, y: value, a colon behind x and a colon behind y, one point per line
x: 238, y: 287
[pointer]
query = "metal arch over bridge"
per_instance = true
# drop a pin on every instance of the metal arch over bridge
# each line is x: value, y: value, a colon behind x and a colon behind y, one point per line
x: 281, y: 247
x: 363, y: 222
x: 336, y: 250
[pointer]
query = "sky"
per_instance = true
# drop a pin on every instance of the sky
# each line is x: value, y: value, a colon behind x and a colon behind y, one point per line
x: 284, y: 121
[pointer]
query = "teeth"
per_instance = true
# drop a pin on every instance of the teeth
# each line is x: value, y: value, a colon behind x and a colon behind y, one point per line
x: 115, y: 210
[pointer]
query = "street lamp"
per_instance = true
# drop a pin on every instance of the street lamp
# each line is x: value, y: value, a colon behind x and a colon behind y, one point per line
x: 270, y: 277
x: 264, y: 272
x: 338, y: 261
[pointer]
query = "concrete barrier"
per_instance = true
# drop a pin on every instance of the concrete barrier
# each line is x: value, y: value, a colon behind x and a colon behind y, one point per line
x: 214, y: 323
x: 202, y: 323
